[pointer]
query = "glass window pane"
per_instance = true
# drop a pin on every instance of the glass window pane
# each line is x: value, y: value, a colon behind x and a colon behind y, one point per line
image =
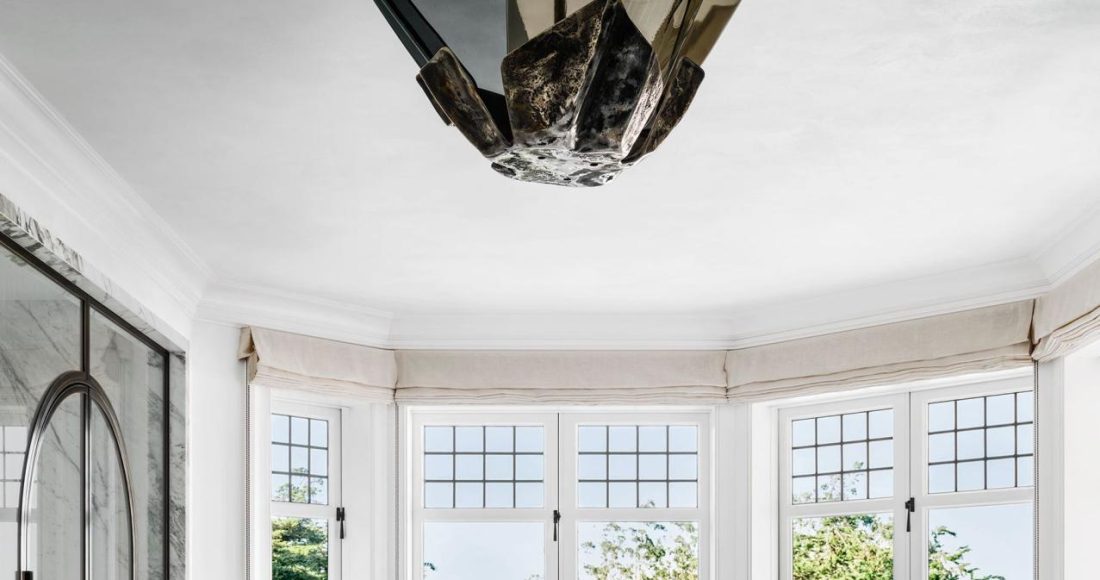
x: 881, y: 424
x: 970, y: 476
x: 318, y: 462
x: 499, y: 495
x: 318, y: 490
x: 1001, y: 473
x: 499, y: 439
x: 439, y: 467
x: 624, y: 467
x: 1001, y: 441
x: 529, y: 495
x: 529, y: 440
x: 652, y: 438
x: 280, y: 458
x: 802, y: 489
x: 971, y: 444
x: 802, y: 433
x: 470, y: 439
x: 280, y: 428
x: 592, y: 467
x: 682, y: 494
x: 299, y: 548
x: 438, y: 495
x: 683, y: 438
x: 1001, y: 409
x: 652, y: 495
x: 1025, y: 406
x: 299, y: 431
x: 299, y: 460
x: 981, y: 542
x: 652, y: 467
x: 299, y: 489
x: 855, y: 456
x: 438, y: 439
x: 803, y: 461
x: 828, y: 488
x: 971, y: 412
x: 941, y: 478
x: 619, y: 550
x: 941, y: 447
x: 469, y: 467
x: 820, y: 545
x: 280, y: 487
x: 623, y: 495
x: 941, y: 416
x: 318, y: 433
x: 855, y: 426
x: 881, y: 454
x: 1025, y: 439
x: 498, y: 467
x: 683, y: 467
x: 529, y: 467
x: 880, y: 484
x: 591, y: 495
x: 483, y: 550
x: 1025, y: 471
x: 828, y: 430
x: 855, y: 486
x: 469, y: 495
x: 592, y: 438
x: 828, y: 459
x: 623, y: 438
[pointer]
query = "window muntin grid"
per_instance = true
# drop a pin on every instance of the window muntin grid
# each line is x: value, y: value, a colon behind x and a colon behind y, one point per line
x: 299, y: 459
x: 637, y: 466
x: 484, y: 466
x: 13, y: 441
x: 842, y: 457
x: 981, y: 443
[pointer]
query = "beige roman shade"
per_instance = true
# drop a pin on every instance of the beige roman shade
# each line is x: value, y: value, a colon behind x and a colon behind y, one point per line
x: 1068, y: 317
x: 564, y: 377
x: 978, y: 340
x: 285, y: 360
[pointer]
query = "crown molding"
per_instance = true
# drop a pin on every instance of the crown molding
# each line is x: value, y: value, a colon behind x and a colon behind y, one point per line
x: 50, y: 172
x: 1072, y: 250
x: 242, y: 304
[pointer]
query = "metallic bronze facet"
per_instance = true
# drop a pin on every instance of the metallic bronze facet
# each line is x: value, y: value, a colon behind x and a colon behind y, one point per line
x: 455, y: 97
x: 585, y: 98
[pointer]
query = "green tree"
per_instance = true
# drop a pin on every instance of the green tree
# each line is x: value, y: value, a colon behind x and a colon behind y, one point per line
x: 649, y: 551
x: 299, y: 549
x: 951, y: 565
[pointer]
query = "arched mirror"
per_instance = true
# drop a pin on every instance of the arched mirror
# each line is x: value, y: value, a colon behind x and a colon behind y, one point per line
x: 75, y: 515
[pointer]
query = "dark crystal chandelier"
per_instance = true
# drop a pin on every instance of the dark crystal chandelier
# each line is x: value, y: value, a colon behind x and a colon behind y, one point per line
x: 565, y: 92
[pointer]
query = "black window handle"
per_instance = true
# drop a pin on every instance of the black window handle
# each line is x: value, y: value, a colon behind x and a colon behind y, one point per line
x: 557, y: 520
x: 341, y: 516
x: 910, y: 507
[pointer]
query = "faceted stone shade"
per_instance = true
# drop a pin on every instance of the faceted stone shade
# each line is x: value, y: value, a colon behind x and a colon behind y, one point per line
x: 590, y: 88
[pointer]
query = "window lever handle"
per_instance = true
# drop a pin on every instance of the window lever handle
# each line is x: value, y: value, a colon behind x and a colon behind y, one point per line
x: 557, y: 521
x: 341, y: 517
x: 910, y: 507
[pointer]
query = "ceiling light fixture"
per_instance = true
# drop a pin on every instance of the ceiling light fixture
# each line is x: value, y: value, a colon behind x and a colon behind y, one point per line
x: 565, y: 92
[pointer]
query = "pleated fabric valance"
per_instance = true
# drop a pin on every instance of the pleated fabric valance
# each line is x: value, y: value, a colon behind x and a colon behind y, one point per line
x: 286, y: 360
x: 562, y: 377
x: 1069, y: 316
x: 978, y: 340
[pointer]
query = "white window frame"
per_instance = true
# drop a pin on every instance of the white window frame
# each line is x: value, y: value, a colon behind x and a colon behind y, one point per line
x: 496, y: 417
x: 268, y: 509
x: 560, y: 479
x: 926, y: 502
x: 788, y: 511
x: 573, y: 516
x: 910, y: 403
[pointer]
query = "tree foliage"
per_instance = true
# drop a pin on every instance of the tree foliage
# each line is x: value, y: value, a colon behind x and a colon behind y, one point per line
x: 299, y: 549
x: 648, y: 551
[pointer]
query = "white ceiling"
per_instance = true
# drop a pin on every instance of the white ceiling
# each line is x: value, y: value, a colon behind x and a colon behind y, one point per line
x: 895, y: 154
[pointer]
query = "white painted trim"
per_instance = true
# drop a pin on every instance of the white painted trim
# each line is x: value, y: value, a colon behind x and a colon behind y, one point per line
x: 53, y: 174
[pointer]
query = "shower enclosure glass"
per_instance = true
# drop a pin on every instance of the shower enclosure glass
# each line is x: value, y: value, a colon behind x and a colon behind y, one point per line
x: 83, y: 433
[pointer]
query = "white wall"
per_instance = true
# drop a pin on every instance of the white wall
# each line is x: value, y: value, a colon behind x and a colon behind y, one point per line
x: 216, y: 514
x: 1082, y: 462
